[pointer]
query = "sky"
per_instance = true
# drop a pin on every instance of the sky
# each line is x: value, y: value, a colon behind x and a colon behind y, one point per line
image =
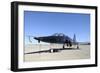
x: 47, y: 23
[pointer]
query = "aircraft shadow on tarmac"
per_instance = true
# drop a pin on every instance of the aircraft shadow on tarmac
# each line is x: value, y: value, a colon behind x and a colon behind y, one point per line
x: 53, y: 50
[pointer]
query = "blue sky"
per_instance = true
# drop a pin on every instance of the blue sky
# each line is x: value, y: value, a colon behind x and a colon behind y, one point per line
x: 48, y: 23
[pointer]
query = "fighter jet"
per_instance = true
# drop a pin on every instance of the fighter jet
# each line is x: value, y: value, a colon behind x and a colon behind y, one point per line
x: 58, y: 38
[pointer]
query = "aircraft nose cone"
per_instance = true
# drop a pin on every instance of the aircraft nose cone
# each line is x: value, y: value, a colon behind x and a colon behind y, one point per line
x: 36, y: 38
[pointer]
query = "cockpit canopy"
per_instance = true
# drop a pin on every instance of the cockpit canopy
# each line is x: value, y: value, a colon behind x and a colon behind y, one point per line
x: 62, y: 35
x: 58, y: 34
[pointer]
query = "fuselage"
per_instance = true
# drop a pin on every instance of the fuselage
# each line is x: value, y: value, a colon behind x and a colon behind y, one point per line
x: 57, y: 38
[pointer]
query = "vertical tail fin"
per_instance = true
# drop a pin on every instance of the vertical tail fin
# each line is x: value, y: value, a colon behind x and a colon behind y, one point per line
x: 74, y: 39
x: 75, y: 42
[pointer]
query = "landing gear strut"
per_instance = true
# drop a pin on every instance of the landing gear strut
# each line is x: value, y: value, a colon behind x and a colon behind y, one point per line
x: 77, y: 46
x: 68, y: 43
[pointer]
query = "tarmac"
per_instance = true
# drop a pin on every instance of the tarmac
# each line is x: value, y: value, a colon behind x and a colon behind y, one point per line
x: 51, y: 52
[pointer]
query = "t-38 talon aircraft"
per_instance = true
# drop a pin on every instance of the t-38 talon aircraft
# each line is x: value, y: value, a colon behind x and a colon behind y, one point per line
x: 57, y: 38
